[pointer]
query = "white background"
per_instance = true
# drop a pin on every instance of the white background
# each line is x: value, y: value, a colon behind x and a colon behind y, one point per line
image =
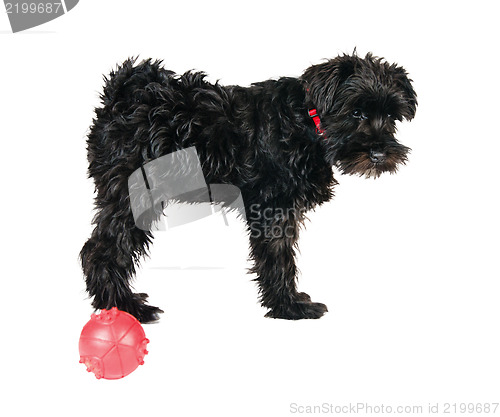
x: 407, y: 264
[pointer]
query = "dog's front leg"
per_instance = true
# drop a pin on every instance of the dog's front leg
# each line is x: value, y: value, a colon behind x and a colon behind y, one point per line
x: 273, y: 234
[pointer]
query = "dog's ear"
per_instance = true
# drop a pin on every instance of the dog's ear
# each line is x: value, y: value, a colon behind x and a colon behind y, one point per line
x: 403, y: 83
x: 322, y: 81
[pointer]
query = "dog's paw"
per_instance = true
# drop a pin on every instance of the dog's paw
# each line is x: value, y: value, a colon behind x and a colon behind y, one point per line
x: 298, y: 310
x: 140, y: 310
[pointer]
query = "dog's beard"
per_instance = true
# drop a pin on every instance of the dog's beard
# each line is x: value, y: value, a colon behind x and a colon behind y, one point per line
x: 362, y: 165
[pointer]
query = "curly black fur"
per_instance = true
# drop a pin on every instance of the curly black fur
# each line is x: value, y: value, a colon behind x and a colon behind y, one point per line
x: 260, y: 139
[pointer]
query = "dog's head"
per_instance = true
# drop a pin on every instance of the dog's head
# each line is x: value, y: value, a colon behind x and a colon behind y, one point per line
x: 359, y: 101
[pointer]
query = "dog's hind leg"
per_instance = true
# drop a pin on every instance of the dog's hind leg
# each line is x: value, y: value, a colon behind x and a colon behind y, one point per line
x: 120, y: 141
x: 273, y: 235
x: 110, y: 255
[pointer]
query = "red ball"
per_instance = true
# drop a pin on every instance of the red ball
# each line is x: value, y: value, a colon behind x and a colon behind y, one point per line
x: 112, y: 344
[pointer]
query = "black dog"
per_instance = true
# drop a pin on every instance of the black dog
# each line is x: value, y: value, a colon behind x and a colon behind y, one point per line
x: 276, y: 141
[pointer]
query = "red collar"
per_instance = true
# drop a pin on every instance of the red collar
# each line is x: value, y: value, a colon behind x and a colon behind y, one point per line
x: 314, y: 114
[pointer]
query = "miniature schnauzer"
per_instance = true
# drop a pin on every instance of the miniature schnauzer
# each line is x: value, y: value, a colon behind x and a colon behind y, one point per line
x: 276, y: 140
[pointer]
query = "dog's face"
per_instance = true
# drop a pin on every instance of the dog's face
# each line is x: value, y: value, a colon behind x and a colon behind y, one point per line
x: 359, y: 101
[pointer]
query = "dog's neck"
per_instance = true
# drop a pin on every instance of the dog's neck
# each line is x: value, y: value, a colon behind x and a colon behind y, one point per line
x: 313, y: 113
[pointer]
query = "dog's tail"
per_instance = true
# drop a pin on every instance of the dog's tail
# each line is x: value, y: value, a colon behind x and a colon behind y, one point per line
x: 129, y: 92
x: 128, y: 78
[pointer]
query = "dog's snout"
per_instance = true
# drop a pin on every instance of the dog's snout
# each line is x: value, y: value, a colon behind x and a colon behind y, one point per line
x: 377, y: 157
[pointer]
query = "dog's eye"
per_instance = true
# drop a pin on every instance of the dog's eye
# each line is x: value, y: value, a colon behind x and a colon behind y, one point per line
x: 358, y: 114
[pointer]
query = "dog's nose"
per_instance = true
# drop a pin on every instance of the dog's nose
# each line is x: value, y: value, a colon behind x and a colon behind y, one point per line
x: 377, y: 157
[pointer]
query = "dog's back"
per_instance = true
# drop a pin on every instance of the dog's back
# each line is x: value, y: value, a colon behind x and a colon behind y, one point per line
x: 148, y: 112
